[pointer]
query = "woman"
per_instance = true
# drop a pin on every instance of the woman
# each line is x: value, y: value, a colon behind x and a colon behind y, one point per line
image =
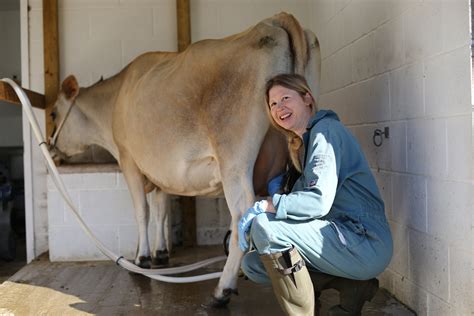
x: 333, y: 219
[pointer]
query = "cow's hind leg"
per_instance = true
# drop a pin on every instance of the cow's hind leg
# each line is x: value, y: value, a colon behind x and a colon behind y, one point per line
x: 136, y: 185
x: 160, y: 211
x: 239, y: 196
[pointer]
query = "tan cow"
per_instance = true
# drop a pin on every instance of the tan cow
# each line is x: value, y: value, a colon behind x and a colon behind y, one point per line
x: 191, y: 123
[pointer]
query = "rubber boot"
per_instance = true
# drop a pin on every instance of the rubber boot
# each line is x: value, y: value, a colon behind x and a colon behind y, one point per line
x: 321, y: 281
x: 291, y: 282
x: 352, y: 295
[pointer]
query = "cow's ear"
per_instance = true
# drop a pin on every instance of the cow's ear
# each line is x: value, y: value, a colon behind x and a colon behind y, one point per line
x: 70, y: 87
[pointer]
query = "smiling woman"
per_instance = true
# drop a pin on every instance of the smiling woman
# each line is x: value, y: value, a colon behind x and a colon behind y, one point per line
x: 333, y: 219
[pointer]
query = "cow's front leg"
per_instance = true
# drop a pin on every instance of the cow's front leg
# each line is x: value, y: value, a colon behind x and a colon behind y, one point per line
x: 239, y: 196
x: 160, y: 211
x: 136, y: 185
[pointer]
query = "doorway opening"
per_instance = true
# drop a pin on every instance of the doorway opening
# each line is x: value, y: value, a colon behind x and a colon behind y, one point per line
x: 12, y: 197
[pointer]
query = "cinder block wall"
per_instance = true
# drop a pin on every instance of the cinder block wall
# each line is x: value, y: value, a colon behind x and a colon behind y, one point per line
x: 406, y: 65
x: 103, y: 201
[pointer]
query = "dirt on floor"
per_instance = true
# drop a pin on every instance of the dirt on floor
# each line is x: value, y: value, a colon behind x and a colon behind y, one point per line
x: 103, y: 288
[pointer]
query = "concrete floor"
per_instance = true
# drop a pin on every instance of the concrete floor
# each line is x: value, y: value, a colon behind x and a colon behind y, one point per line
x: 102, y: 288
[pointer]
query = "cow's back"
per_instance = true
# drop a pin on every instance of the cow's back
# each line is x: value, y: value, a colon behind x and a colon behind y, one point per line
x: 201, y: 108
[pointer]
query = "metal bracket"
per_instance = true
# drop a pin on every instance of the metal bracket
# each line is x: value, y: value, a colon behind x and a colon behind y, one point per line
x: 379, y: 136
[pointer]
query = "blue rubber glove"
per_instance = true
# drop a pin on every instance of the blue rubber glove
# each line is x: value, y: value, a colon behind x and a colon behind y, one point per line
x: 246, y: 221
x: 274, y: 185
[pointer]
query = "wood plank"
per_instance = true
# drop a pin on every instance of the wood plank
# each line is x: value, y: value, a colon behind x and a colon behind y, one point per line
x: 51, y: 59
x: 188, y: 204
x: 7, y: 94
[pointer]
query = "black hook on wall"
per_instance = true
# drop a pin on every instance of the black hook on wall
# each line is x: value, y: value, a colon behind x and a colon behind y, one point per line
x: 379, y: 136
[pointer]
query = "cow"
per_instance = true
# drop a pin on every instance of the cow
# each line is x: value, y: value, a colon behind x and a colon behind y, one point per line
x: 193, y: 123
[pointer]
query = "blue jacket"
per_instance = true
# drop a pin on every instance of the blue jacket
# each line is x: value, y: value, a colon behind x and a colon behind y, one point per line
x: 336, y: 182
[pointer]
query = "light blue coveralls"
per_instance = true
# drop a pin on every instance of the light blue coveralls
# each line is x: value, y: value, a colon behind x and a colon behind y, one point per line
x: 334, y: 215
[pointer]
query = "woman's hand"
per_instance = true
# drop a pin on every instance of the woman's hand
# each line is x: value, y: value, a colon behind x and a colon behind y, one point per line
x: 270, y: 207
x: 246, y: 221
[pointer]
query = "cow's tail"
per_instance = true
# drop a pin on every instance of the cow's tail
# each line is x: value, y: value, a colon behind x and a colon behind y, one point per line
x: 298, y: 43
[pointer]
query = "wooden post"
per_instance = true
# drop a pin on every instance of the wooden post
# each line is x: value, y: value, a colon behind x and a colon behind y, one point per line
x: 184, y: 24
x: 188, y: 204
x: 51, y: 59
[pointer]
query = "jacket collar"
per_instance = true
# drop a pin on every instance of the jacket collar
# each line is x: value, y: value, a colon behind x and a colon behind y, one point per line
x: 319, y: 116
x: 315, y: 119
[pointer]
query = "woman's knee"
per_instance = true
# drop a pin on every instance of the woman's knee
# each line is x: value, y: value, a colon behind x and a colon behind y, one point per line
x: 253, y: 268
x: 261, y: 228
x: 268, y: 235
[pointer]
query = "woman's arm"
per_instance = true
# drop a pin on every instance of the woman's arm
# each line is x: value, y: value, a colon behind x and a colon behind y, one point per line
x: 320, y: 181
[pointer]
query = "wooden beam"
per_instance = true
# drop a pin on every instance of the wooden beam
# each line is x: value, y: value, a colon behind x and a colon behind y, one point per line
x: 8, y: 94
x: 51, y: 59
x: 184, y: 24
x: 187, y: 204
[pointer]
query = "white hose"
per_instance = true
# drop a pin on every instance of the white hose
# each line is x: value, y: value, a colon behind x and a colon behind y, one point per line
x: 157, y: 274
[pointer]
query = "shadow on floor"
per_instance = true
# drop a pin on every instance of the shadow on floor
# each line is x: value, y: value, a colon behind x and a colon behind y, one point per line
x: 9, y: 268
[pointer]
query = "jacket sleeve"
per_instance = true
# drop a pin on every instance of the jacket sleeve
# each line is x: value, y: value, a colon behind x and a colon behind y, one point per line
x: 319, y: 182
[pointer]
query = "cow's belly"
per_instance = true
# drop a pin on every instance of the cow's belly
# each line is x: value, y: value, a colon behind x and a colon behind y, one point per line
x: 188, y: 177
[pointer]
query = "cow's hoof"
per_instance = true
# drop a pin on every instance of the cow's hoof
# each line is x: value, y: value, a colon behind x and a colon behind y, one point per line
x: 220, y: 302
x: 144, y: 262
x: 161, y: 258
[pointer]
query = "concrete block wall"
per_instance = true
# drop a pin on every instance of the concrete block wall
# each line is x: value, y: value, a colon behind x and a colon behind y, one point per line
x: 105, y: 204
x: 406, y: 65
x: 212, y: 220
x: 99, y: 38
x: 216, y: 19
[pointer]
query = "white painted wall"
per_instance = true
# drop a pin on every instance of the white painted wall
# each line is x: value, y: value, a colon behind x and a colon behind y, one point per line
x: 406, y: 65
x: 103, y: 201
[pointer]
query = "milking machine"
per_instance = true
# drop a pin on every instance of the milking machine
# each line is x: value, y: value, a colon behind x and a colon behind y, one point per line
x: 157, y: 274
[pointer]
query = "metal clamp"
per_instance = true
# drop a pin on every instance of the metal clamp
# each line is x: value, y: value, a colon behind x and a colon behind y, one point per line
x: 379, y: 136
x: 293, y: 269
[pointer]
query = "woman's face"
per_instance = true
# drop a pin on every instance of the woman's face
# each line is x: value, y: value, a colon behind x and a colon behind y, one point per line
x: 289, y: 109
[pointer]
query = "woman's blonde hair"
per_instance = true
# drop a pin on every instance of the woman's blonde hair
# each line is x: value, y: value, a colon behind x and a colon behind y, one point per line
x: 296, y: 83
